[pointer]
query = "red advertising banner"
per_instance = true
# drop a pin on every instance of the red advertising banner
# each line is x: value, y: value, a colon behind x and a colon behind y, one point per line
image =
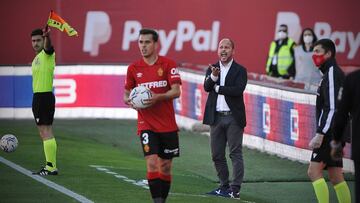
x: 89, y: 90
x: 189, y: 31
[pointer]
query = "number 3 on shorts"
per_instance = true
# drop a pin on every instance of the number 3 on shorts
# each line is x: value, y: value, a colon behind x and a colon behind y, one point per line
x: 145, y: 138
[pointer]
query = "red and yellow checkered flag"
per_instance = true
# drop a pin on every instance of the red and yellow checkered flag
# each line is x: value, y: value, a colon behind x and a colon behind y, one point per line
x: 56, y: 21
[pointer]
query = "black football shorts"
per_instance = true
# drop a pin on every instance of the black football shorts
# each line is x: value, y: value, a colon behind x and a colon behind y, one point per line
x: 165, y: 145
x: 43, y: 108
x: 323, y: 154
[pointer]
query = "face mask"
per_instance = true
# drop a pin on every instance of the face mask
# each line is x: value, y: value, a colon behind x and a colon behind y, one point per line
x: 308, y: 39
x: 318, y: 59
x: 281, y: 35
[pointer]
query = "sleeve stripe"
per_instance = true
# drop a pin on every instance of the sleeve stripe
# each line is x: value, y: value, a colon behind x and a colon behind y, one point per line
x: 319, y: 123
x: 331, y: 100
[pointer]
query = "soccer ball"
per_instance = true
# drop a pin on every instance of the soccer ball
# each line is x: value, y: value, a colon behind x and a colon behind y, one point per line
x: 138, y: 95
x: 8, y: 143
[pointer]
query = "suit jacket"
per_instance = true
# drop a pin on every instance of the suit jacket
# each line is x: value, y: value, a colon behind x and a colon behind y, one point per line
x: 233, y: 89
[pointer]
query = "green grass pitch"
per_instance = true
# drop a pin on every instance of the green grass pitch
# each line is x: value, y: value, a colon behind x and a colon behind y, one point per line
x: 102, y: 160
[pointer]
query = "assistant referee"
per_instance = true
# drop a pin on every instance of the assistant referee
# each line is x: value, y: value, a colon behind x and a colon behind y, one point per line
x: 43, y: 104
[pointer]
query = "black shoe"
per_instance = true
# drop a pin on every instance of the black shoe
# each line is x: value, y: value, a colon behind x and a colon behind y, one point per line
x: 45, y: 172
x: 234, y: 195
x: 223, y: 192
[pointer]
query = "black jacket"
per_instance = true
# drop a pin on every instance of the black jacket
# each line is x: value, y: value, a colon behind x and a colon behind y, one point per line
x: 326, y: 100
x: 349, y: 102
x: 235, y: 82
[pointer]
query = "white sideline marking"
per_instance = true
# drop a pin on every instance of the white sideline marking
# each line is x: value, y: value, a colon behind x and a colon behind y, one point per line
x: 105, y: 168
x: 44, y: 181
x: 140, y: 183
x: 144, y: 183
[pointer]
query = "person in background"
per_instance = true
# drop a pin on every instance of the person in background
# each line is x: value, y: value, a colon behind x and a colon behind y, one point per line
x: 324, y: 57
x: 280, y: 62
x: 349, y: 103
x: 306, y: 71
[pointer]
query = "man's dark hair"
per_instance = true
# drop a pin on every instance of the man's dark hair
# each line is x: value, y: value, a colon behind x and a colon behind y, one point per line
x: 327, y: 45
x: 285, y: 26
x: 146, y: 31
x: 37, y: 31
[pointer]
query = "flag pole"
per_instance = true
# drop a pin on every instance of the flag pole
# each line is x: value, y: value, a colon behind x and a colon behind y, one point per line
x: 47, y: 26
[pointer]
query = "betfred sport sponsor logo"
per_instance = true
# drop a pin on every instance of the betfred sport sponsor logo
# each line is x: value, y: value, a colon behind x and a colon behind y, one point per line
x: 171, y: 151
x: 155, y: 84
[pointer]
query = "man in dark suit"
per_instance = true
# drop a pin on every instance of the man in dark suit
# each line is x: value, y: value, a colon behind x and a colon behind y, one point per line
x: 225, y: 82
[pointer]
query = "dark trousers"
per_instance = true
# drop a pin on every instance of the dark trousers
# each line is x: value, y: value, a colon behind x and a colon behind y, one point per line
x: 227, y: 131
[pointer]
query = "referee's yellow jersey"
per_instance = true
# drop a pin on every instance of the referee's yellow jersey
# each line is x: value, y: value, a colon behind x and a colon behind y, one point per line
x: 42, y: 69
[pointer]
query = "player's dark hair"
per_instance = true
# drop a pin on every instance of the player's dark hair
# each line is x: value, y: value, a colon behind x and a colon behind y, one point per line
x: 147, y: 31
x: 37, y: 31
x: 327, y: 45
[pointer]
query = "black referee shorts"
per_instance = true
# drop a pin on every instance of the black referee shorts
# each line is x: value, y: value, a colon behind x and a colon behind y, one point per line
x: 43, y: 108
x: 323, y: 154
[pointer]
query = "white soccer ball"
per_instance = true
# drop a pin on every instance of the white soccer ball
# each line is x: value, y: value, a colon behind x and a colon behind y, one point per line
x: 8, y: 143
x: 138, y: 95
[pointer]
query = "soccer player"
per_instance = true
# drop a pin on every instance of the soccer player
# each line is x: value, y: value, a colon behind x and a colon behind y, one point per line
x: 324, y: 57
x: 156, y: 124
x: 43, y: 105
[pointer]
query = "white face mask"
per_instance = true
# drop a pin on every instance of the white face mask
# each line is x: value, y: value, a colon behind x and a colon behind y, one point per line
x: 308, y: 39
x: 281, y: 35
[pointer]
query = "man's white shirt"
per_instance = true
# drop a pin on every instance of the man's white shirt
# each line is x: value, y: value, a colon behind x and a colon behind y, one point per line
x: 221, y: 104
